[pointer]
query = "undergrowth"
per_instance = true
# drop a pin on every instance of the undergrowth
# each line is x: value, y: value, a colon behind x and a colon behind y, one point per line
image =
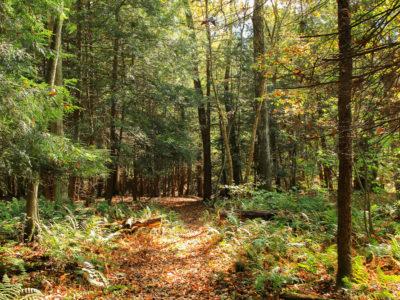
x: 69, y: 237
x: 296, y: 249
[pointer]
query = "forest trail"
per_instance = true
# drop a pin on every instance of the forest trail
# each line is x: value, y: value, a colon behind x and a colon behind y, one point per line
x: 183, y: 263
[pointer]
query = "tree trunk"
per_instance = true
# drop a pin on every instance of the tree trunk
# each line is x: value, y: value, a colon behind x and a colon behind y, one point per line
x: 32, y: 215
x: 189, y: 180
x: 264, y: 159
x: 293, y: 167
x: 199, y: 180
x: 113, y: 176
x: 327, y: 171
x: 223, y: 173
x: 261, y: 120
x: 345, y: 143
x: 233, y: 137
x: 222, y: 114
x: 263, y: 131
x: 60, y: 190
x: 204, y: 116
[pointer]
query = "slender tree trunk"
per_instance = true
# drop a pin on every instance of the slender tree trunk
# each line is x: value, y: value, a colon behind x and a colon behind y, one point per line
x: 261, y: 120
x: 113, y: 176
x: 232, y: 132
x: 345, y: 143
x: 293, y: 167
x: 250, y: 152
x: 134, y: 187
x: 223, y: 173
x: 141, y: 186
x: 55, y: 78
x: 189, y: 180
x: 76, y: 116
x: 199, y: 181
x: 222, y: 114
x: 32, y: 215
x: 327, y: 174
x: 204, y: 116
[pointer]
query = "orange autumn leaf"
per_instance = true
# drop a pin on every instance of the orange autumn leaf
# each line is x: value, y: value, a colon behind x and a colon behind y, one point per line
x: 380, y: 130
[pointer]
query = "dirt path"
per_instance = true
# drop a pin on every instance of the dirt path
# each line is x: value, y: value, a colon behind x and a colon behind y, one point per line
x: 177, y: 262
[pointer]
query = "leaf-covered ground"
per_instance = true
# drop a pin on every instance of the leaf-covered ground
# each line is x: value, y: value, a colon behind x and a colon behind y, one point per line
x: 177, y: 264
x: 195, y: 254
x: 181, y: 259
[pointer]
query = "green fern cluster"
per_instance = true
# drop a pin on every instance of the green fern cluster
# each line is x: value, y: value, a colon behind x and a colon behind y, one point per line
x: 10, y: 291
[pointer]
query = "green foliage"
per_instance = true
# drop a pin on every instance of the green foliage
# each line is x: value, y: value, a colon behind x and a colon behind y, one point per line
x: 68, y: 241
x: 360, y: 272
x: 298, y: 244
x: 10, y: 291
x: 10, y: 219
x: 274, y: 280
x: 8, y: 262
x: 387, y: 279
x: 29, y: 147
x: 395, y: 247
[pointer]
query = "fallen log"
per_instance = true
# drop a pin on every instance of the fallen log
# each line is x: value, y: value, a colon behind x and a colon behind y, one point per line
x: 250, y: 214
x: 253, y: 214
x: 151, y: 223
x: 295, y: 296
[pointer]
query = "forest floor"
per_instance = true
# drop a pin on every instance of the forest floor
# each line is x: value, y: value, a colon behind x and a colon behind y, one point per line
x: 195, y: 252
x: 182, y: 263
x: 186, y: 265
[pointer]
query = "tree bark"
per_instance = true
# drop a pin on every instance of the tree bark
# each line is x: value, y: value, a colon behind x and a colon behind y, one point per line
x: 113, y: 176
x: 229, y: 107
x: 32, y: 215
x: 261, y: 120
x: 76, y: 116
x: 221, y: 113
x: 293, y: 167
x: 345, y: 143
x: 264, y: 159
x: 55, y: 78
x: 204, y: 112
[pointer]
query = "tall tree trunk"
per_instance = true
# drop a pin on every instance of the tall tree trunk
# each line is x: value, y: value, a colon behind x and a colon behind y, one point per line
x: 199, y: 180
x: 134, y: 187
x: 189, y: 180
x: 250, y: 152
x: 32, y: 215
x: 60, y: 192
x: 293, y: 167
x: 261, y: 120
x: 229, y: 107
x: 221, y: 113
x: 76, y: 116
x: 204, y: 116
x: 223, y: 175
x: 264, y: 160
x: 345, y: 143
x: 113, y: 176
x: 327, y: 171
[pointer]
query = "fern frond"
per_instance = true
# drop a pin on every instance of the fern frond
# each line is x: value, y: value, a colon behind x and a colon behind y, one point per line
x: 9, y: 291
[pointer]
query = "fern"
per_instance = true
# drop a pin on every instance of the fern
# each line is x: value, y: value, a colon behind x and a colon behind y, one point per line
x: 387, y: 279
x: 395, y: 246
x: 360, y: 272
x: 10, y: 291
